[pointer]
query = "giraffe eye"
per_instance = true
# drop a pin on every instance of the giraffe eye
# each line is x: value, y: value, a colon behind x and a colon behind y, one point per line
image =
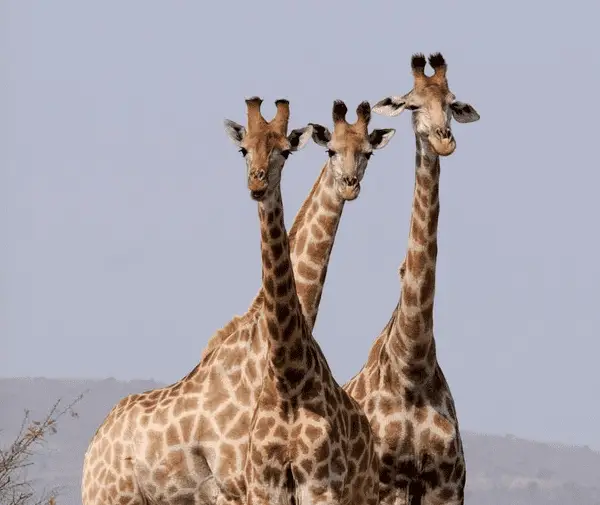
x: 412, y: 107
x: 243, y: 151
x: 331, y: 153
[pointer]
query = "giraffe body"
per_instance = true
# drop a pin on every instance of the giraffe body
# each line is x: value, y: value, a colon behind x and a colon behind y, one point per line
x: 402, y: 388
x: 187, y: 443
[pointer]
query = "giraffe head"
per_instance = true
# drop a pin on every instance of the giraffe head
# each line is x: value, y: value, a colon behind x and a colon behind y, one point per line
x: 266, y: 145
x: 350, y: 146
x: 432, y: 103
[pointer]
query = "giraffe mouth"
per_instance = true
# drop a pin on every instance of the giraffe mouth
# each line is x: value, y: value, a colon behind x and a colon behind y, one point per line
x: 443, y: 147
x: 350, y: 192
x: 258, y: 195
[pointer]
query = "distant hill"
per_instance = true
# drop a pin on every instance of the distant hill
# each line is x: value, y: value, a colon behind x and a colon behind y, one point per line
x: 501, y: 470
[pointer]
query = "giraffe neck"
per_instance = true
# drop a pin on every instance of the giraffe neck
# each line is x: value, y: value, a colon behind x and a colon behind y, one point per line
x: 281, y: 307
x: 411, y: 339
x: 311, y: 238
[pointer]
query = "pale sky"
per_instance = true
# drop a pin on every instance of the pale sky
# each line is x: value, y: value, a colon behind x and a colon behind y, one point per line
x: 130, y: 238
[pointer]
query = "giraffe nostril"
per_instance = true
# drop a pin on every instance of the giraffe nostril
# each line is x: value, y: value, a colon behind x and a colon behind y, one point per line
x: 443, y: 133
x: 351, y: 181
x: 260, y: 175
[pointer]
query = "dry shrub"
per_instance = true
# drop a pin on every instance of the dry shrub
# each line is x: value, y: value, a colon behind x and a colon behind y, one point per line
x: 15, y: 487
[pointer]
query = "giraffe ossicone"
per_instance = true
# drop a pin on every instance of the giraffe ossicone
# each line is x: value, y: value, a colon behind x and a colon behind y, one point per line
x: 402, y: 388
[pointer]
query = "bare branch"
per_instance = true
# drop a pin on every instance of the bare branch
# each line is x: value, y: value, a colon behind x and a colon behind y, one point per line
x: 15, y: 488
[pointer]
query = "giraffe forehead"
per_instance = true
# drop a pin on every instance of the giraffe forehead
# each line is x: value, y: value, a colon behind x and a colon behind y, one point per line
x: 349, y: 138
x: 265, y: 140
x: 434, y: 91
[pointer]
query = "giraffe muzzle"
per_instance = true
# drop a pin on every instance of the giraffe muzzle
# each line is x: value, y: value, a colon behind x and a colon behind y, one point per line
x: 258, y: 184
x: 350, y: 181
x: 443, y: 133
x: 442, y: 141
x: 350, y: 188
x: 258, y: 195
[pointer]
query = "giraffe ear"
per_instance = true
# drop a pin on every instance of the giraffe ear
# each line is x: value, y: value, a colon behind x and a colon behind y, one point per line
x: 380, y: 138
x: 299, y: 137
x: 235, y: 132
x: 463, y: 112
x: 321, y: 135
x: 391, y: 106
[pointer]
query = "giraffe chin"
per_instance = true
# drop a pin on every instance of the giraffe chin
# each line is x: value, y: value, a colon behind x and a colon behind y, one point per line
x: 350, y: 193
x: 443, y: 147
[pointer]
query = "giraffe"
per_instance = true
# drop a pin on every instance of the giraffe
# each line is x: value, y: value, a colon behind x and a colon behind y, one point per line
x: 309, y: 441
x: 189, y: 431
x: 401, y: 387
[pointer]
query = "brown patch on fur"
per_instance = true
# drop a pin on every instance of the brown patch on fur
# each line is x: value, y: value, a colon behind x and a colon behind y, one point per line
x: 307, y: 272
